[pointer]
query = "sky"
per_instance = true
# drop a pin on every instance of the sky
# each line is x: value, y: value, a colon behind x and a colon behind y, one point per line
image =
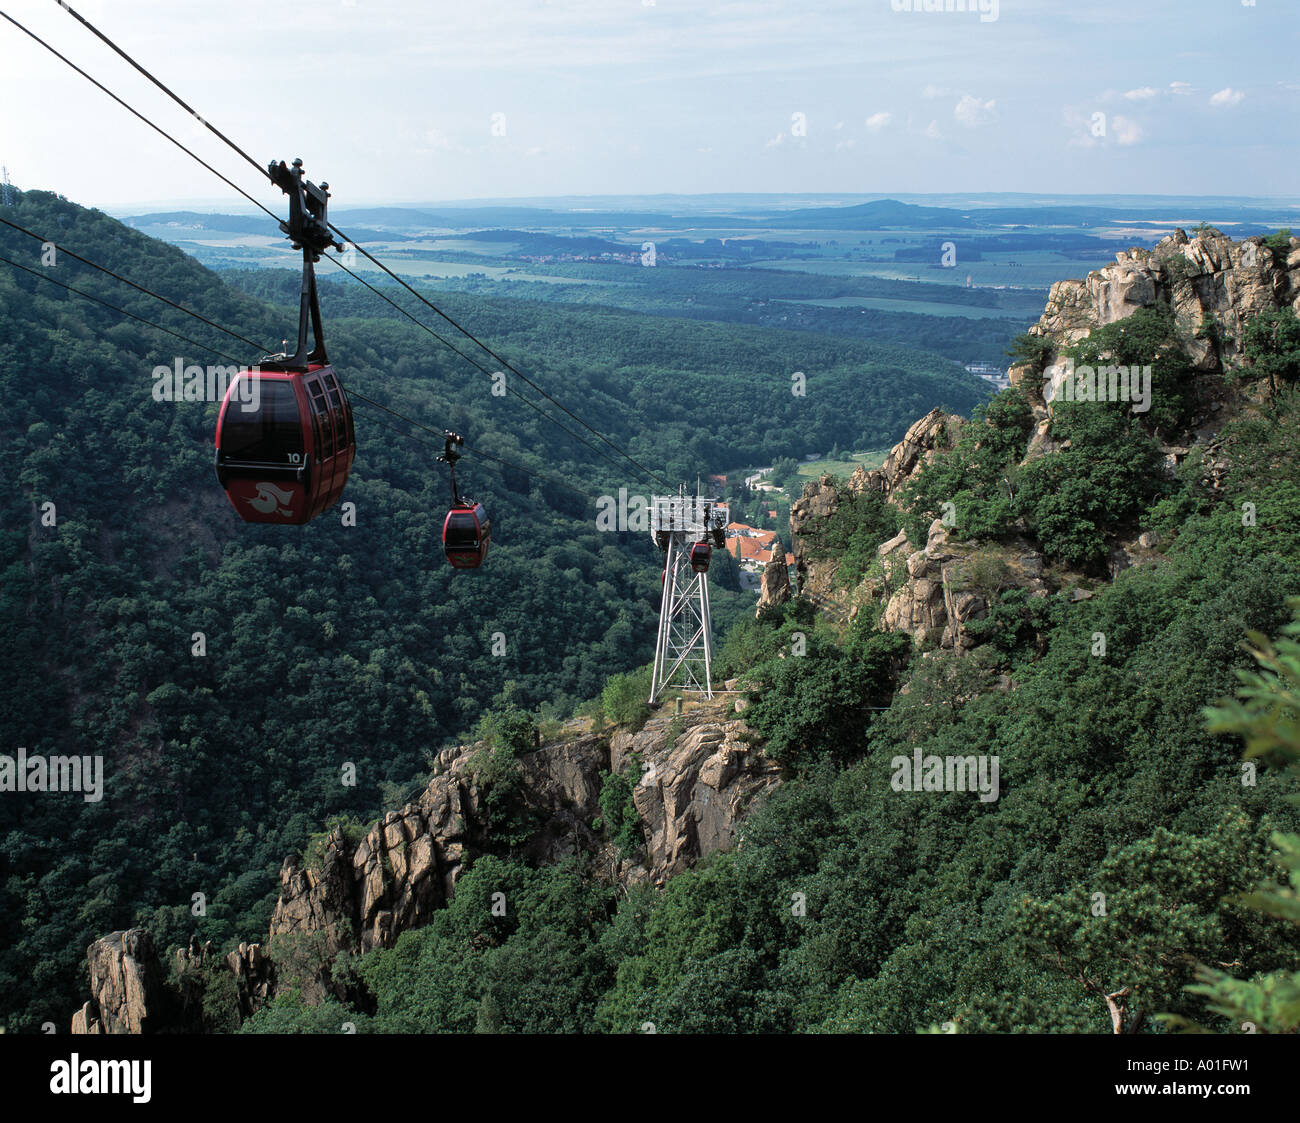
x: 416, y: 101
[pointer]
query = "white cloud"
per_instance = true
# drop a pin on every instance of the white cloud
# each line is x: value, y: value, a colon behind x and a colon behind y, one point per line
x: 935, y: 91
x: 1142, y: 93
x: 878, y: 121
x: 932, y: 131
x: 971, y: 111
x: 1180, y: 87
x: 776, y: 140
x: 1227, y: 96
x: 1125, y: 130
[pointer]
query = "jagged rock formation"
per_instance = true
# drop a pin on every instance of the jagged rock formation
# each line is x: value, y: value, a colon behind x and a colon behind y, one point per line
x: 406, y: 866
x: 932, y: 592
x: 918, y: 447
x: 129, y: 993
x: 1207, y: 278
x: 694, y: 790
x: 318, y: 899
x: 939, y: 588
x: 254, y: 976
x: 822, y: 498
x: 689, y: 798
x: 700, y: 776
x: 774, y: 588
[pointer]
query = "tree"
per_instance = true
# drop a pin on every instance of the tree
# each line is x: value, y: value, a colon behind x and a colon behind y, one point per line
x: 820, y: 703
x: 1271, y: 346
x: 1266, y: 714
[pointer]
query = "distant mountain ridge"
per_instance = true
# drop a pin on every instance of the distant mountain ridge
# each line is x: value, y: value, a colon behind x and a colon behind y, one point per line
x: 886, y: 213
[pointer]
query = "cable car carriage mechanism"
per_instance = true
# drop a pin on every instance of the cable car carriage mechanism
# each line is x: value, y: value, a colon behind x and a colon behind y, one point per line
x: 702, y: 551
x: 466, y: 531
x: 285, y: 438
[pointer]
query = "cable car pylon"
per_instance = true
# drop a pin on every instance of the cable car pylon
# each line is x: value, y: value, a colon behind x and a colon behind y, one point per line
x: 686, y: 528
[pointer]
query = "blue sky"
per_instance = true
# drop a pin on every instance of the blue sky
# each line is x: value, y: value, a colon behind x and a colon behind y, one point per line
x: 399, y: 101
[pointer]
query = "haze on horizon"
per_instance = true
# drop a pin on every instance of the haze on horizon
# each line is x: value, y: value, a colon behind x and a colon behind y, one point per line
x: 394, y: 101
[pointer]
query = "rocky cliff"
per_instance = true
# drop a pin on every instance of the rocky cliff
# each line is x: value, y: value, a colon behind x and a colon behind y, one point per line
x: 128, y: 987
x: 821, y: 499
x: 698, y: 776
x: 931, y: 590
x: 1207, y: 279
x: 1206, y: 276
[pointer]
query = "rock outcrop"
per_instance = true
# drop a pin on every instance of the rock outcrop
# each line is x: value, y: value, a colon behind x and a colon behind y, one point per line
x: 362, y: 897
x: 774, y: 588
x: 129, y: 993
x: 821, y: 499
x: 406, y: 866
x: 933, y: 591
x: 935, y: 431
x: 1207, y: 279
x: 1208, y: 276
x: 699, y: 776
x: 254, y: 976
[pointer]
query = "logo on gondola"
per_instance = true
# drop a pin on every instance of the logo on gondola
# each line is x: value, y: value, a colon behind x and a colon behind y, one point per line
x: 271, y: 498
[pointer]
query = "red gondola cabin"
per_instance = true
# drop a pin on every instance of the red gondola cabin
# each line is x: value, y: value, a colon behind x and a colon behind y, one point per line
x: 466, y: 535
x: 701, y: 552
x: 285, y: 443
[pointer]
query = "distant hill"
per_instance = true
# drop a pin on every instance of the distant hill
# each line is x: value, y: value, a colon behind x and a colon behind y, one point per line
x: 193, y: 220
x: 874, y: 216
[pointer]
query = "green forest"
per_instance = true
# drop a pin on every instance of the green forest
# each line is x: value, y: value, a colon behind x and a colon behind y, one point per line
x: 1132, y: 851
x: 1134, y: 870
x: 324, y: 645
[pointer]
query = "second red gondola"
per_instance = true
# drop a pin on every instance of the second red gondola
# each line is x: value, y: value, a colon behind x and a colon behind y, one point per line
x: 466, y: 536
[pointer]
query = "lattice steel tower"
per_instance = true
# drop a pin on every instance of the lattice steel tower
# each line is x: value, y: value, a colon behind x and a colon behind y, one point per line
x: 680, y: 526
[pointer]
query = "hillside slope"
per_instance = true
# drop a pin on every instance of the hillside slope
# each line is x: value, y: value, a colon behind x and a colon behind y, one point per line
x: 1096, y: 856
x: 242, y: 684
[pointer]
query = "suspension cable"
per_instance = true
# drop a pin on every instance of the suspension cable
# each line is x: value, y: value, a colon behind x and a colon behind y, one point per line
x: 473, y: 362
x: 122, y: 311
x: 342, y: 234
x: 504, y: 362
x: 370, y: 402
x: 156, y: 128
x: 207, y: 347
x: 127, y: 281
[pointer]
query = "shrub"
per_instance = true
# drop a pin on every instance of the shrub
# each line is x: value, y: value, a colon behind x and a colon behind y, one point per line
x: 1280, y: 242
x: 1271, y: 347
x: 619, y: 808
x: 976, y: 477
x: 624, y: 698
x: 1032, y: 349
